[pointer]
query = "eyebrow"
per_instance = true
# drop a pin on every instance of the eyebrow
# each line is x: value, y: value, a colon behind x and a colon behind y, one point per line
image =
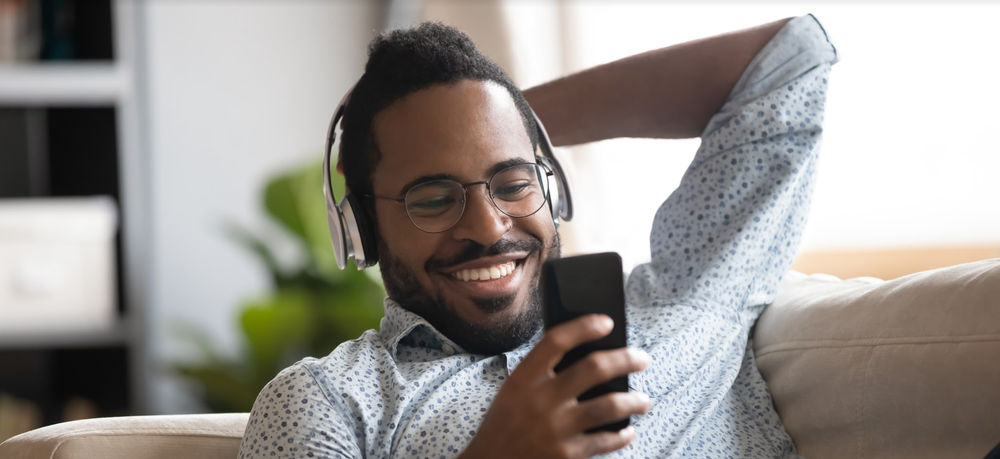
x: 430, y: 178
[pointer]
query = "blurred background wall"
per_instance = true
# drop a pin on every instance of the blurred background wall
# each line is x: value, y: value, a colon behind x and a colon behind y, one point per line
x: 237, y: 91
x: 907, y: 160
x: 222, y: 95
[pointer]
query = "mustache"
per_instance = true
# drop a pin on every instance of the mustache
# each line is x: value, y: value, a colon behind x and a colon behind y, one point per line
x: 475, y: 250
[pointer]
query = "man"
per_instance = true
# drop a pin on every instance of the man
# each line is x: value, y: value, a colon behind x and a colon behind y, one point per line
x: 460, y: 367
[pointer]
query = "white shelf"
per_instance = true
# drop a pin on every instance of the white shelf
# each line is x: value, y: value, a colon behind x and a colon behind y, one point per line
x: 62, y: 84
x: 113, y: 335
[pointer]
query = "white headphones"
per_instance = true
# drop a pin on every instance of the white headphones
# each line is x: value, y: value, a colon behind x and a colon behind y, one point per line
x: 352, y: 232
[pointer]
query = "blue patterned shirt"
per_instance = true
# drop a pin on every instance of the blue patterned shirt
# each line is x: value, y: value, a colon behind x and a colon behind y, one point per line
x: 719, y: 246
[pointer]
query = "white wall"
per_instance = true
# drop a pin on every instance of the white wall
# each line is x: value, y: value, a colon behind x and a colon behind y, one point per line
x: 909, y: 155
x: 237, y: 90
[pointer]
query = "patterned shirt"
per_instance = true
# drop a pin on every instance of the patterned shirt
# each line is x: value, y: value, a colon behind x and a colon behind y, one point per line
x: 720, y: 245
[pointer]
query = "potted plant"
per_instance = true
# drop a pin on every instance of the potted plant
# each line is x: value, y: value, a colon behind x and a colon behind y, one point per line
x: 311, y: 308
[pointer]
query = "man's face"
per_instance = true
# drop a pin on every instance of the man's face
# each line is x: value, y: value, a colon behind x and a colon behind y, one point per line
x: 463, y: 132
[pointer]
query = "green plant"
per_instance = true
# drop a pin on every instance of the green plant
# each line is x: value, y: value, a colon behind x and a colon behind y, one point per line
x: 312, y: 308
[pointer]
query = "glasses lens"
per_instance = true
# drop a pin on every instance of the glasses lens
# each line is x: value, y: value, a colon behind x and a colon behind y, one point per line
x: 519, y: 191
x: 435, y: 206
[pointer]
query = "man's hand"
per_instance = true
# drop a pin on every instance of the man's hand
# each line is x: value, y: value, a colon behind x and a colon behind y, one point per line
x: 536, y: 414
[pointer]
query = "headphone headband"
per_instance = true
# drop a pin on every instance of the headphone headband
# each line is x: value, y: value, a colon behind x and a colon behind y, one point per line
x: 352, y: 235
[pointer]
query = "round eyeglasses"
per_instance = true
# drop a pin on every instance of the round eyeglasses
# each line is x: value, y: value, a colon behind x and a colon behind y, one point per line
x: 436, y: 206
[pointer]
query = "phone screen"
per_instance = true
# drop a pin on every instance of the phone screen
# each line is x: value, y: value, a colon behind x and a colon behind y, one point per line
x: 575, y: 286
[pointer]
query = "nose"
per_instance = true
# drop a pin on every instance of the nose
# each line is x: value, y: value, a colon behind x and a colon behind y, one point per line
x: 482, y: 222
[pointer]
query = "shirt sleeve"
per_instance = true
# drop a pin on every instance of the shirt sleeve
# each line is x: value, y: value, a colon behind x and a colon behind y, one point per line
x: 728, y: 233
x: 294, y: 417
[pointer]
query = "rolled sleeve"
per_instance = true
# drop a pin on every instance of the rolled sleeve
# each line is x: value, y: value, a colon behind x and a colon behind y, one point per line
x: 725, y: 237
x: 294, y: 417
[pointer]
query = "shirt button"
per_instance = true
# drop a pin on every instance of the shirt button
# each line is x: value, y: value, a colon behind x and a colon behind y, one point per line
x: 448, y: 349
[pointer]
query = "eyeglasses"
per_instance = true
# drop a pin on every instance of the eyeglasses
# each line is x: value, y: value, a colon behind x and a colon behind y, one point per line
x: 437, y: 206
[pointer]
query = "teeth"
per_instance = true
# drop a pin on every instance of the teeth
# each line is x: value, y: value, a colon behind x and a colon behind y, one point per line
x: 492, y: 272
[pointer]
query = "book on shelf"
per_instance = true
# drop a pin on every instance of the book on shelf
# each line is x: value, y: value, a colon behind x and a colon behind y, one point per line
x: 23, y: 154
x: 17, y: 416
x: 55, y: 30
x: 20, y: 30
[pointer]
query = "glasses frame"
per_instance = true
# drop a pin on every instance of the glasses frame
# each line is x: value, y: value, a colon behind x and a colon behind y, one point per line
x: 465, y: 193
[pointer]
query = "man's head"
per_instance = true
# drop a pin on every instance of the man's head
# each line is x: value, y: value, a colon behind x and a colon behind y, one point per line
x: 431, y: 106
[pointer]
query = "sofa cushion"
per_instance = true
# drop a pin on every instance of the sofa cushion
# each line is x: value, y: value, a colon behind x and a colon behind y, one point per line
x: 902, y: 368
x: 198, y: 436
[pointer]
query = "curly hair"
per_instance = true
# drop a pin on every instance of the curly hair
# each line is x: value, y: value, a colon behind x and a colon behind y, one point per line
x: 402, y: 62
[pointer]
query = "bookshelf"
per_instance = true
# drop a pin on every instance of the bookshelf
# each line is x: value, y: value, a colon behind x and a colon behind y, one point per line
x: 80, y: 119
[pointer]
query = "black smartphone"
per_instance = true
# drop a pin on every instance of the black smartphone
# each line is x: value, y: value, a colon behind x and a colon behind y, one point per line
x: 587, y: 284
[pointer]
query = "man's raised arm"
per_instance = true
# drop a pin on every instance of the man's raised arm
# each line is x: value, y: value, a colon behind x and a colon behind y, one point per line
x: 672, y: 92
x: 669, y: 93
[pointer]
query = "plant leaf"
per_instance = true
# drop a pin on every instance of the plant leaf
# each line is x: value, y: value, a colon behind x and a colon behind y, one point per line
x: 256, y: 246
x: 281, y: 202
x: 273, y: 324
x: 225, y: 389
x: 313, y: 308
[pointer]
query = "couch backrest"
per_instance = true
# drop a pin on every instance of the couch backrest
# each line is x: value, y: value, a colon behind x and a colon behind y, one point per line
x: 903, y: 368
x: 857, y: 368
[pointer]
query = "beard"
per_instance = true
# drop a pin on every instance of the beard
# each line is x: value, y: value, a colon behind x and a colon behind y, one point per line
x: 494, y: 337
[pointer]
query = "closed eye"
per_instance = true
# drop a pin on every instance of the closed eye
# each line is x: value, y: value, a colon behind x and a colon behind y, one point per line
x: 431, y: 206
x: 512, y: 191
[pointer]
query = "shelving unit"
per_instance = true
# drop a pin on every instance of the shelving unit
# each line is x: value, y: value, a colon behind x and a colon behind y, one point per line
x: 91, y: 106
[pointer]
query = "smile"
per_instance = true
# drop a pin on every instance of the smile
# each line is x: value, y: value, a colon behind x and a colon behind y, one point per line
x: 487, y: 273
x: 489, y: 277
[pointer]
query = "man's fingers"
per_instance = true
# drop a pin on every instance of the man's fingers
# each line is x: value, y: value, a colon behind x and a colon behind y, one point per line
x: 562, y: 338
x: 607, y: 409
x: 600, y: 367
x: 600, y: 443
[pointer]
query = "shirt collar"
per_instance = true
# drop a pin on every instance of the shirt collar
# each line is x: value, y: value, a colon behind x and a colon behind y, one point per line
x: 399, y: 324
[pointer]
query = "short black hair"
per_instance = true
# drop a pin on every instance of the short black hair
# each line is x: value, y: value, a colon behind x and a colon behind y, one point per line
x: 401, y: 62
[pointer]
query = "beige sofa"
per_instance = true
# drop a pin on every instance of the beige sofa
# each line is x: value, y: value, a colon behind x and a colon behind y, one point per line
x: 857, y: 368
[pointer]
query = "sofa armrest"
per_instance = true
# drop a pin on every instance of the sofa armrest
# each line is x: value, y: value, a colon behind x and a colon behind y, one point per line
x: 190, y: 436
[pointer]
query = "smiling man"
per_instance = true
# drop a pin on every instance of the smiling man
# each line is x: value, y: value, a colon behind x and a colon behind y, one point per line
x: 440, y: 151
x: 473, y: 274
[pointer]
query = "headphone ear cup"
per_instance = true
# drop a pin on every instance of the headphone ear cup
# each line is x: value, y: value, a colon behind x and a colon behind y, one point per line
x: 561, y: 200
x: 553, y: 201
x: 365, y: 231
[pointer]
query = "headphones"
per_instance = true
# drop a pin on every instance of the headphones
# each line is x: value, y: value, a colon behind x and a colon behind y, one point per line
x: 352, y: 231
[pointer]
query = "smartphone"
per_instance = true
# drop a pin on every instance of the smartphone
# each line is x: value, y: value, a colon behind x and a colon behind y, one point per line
x: 575, y: 286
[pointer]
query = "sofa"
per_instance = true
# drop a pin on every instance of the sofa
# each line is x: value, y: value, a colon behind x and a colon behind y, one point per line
x: 858, y: 368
